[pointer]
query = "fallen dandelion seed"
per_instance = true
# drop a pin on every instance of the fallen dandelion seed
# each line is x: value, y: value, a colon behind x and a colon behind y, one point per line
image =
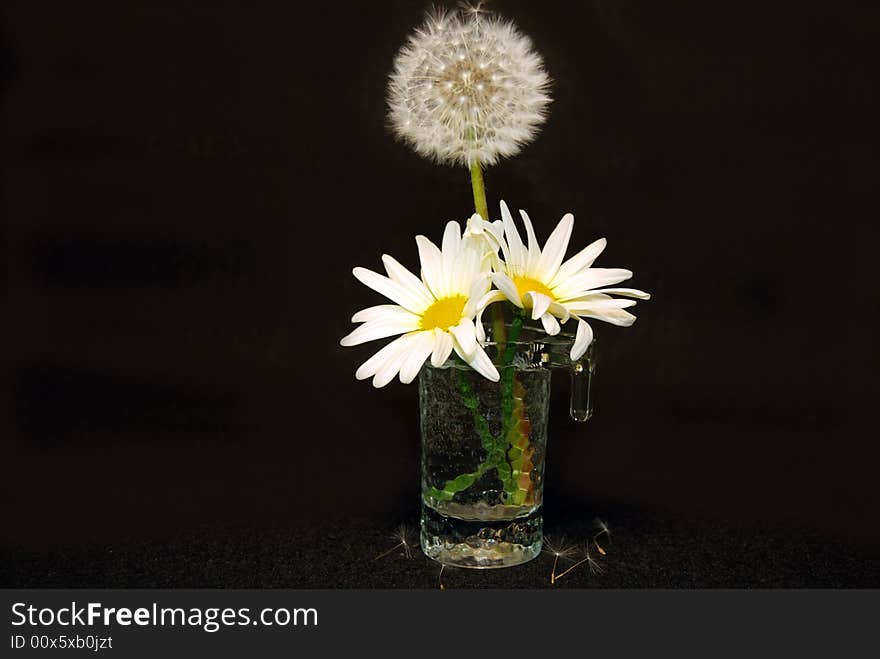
x: 602, y: 527
x: 558, y: 550
x: 403, y: 535
x: 595, y: 568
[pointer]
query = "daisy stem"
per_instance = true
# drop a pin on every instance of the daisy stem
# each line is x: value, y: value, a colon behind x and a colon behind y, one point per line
x: 471, y: 401
x: 507, y: 376
x: 478, y: 185
x: 494, y: 449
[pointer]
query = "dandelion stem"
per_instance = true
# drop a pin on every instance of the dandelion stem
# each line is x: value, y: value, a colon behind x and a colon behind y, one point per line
x: 478, y: 185
x: 479, y: 188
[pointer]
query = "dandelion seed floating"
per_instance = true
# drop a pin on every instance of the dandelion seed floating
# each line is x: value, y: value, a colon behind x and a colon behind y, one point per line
x: 467, y: 88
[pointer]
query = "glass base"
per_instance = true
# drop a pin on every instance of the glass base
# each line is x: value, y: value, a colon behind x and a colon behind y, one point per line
x: 481, y: 542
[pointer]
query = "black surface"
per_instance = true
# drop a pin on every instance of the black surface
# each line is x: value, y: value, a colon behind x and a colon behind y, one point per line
x: 644, y: 551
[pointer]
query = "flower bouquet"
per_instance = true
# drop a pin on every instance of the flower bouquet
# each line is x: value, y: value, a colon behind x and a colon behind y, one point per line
x: 481, y: 322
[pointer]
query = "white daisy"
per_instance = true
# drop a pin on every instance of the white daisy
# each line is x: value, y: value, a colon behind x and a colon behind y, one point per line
x: 537, y: 279
x: 435, y: 314
x: 485, y: 237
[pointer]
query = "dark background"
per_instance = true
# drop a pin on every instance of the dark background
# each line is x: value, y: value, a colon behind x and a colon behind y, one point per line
x: 185, y: 191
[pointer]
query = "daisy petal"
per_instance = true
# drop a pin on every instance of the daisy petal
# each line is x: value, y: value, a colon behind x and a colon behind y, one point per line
x: 580, y: 261
x: 451, y: 238
x: 551, y: 325
x: 598, y: 303
x: 451, y: 253
x: 480, y: 362
x: 490, y: 298
x: 584, y: 282
x: 588, y: 296
x: 502, y: 243
x: 554, y: 249
x: 516, y: 258
x: 432, y: 265
x: 416, y: 356
x: 475, y: 225
x: 505, y: 285
x: 465, y: 336
x: 629, y: 292
x: 389, y: 369
x: 560, y: 311
x: 463, y: 268
x: 479, y: 289
x: 540, y: 304
x: 481, y: 237
x: 391, y: 366
x: 615, y: 316
x: 493, y: 232
x: 496, y: 228
x: 390, y: 289
x: 442, y: 347
x: 534, y: 253
x: 380, y: 312
x: 380, y: 329
x: 582, y: 340
x: 373, y: 364
x: 397, y: 272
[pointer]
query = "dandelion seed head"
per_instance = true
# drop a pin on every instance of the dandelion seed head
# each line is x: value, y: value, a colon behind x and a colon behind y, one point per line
x: 471, y: 55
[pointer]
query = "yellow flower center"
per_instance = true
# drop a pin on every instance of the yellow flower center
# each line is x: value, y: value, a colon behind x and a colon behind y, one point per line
x: 526, y: 284
x: 444, y: 313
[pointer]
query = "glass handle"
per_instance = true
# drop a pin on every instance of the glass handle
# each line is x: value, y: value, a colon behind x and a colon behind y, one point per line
x: 582, y: 390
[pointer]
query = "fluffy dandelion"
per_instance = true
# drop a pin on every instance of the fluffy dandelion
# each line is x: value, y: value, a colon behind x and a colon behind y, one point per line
x: 434, y: 313
x: 536, y: 279
x: 467, y: 88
